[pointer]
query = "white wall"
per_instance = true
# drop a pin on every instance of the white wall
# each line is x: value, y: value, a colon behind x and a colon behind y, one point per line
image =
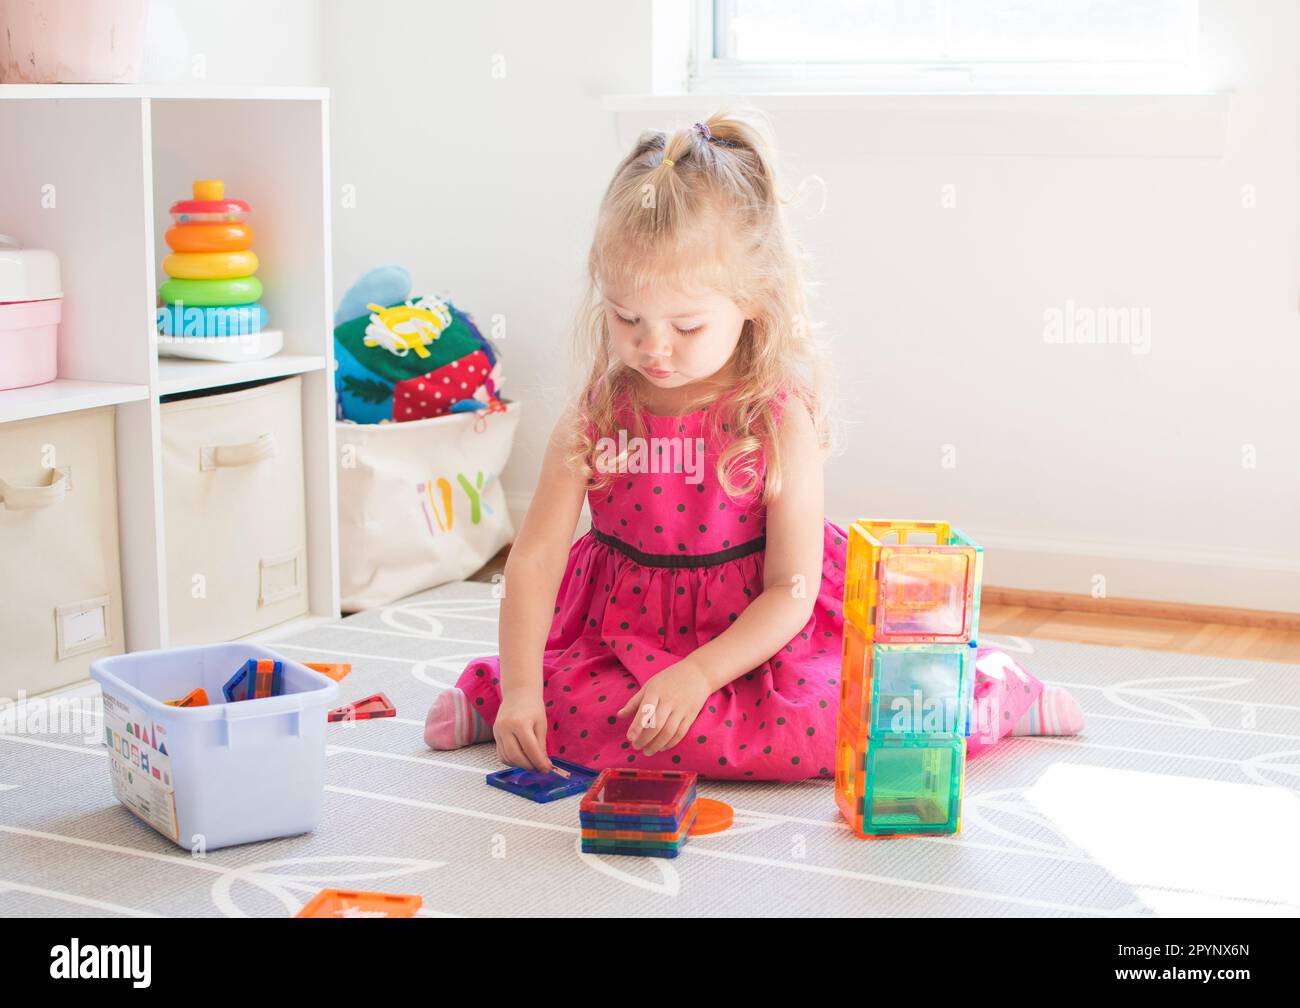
x: 471, y: 140
x: 1071, y: 461
x: 1076, y: 461
x: 234, y: 42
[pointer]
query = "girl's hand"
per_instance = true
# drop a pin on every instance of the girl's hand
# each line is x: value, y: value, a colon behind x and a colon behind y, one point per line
x: 665, y: 708
x: 520, y: 731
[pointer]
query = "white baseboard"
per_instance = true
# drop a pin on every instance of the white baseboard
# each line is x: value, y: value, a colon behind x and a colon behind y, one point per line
x: 1140, y: 571
x: 1136, y: 570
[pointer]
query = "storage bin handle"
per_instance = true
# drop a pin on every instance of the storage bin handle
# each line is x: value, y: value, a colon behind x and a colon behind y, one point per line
x: 232, y: 719
x: 29, y: 498
x: 228, y: 456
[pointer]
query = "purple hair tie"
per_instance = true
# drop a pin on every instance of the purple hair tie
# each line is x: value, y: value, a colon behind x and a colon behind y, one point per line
x: 704, y: 131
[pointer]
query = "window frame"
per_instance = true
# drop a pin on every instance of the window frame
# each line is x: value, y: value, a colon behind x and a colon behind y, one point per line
x: 708, y: 74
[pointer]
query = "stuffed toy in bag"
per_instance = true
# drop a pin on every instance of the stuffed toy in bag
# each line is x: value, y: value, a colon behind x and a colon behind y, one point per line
x: 400, y: 358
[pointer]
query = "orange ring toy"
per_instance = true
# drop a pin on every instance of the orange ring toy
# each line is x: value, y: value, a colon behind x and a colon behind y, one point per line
x: 210, y: 236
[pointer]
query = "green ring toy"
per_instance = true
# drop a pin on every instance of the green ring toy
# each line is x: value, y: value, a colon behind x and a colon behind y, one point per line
x: 212, y: 293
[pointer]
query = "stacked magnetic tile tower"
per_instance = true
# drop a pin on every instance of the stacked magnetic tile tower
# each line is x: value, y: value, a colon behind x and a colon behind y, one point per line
x: 212, y: 290
x: 911, y: 611
x: 645, y: 813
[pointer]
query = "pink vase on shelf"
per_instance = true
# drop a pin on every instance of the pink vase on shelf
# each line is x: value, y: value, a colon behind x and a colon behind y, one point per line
x: 71, y: 41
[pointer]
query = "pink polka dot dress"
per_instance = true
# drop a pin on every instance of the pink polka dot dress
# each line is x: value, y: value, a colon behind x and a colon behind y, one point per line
x: 670, y: 562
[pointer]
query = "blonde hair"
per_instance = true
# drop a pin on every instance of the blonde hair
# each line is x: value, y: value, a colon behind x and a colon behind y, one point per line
x: 700, y: 208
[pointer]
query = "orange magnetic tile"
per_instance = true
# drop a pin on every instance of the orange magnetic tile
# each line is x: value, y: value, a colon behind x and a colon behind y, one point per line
x: 711, y: 816
x: 194, y: 698
x: 336, y: 903
x: 335, y: 670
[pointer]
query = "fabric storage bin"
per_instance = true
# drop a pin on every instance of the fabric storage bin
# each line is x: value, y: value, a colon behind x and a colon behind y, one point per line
x: 234, y: 505
x: 420, y: 503
x: 227, y: 773
x: 60, y: 580
x: 31, y: 305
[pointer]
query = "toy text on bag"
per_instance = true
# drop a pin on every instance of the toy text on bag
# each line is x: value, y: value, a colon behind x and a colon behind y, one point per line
x: 213, y: 291
x: 911, y: 614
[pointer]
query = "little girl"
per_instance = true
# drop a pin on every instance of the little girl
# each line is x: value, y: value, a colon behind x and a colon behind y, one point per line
x: 697, y: 626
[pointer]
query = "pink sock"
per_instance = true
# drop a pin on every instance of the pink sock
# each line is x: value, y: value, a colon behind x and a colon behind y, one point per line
x: 452, y: 722
x: 1055, y: 712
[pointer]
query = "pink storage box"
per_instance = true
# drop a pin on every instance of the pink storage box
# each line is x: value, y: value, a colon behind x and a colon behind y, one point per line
x: 31, y: 302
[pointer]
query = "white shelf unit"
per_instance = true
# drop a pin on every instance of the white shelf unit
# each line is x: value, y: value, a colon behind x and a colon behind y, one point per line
x: 89, y: 172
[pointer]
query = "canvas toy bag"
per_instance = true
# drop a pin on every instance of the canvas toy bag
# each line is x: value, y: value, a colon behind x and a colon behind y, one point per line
x: 420, y: 503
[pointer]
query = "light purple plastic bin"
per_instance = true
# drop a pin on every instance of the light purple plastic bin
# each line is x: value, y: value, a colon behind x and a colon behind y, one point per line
x: 239, y: 772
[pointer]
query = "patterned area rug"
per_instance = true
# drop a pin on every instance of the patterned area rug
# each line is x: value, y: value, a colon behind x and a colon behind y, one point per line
x: 1180, y: 799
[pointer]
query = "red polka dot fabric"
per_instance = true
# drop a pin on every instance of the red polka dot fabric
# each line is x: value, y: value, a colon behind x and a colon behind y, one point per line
x: 432, y: 394
x: 619, y: 619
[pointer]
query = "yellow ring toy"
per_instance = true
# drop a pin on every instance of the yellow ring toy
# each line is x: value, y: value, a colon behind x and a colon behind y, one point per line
x: 210, y: 265
x: 210, y: 236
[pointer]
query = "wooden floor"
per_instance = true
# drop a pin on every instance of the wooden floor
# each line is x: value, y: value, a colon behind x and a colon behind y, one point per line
x: 1215, y: 639
x: 1218, y: 640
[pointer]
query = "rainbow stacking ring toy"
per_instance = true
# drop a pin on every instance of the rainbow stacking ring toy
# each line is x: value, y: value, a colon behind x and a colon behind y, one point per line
x: 212, y: 290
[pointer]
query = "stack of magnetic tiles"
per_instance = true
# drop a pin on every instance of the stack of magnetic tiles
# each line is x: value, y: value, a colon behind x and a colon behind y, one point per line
x: 647, y: 813
x: 212, y: 291
x: 911, y: 612
x: 256, y: 679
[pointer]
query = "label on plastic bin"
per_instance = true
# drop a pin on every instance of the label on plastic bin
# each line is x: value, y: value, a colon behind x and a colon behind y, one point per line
x: 140, y: 766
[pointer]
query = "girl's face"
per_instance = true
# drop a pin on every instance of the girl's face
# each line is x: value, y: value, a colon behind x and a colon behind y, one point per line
x: 673, y: 337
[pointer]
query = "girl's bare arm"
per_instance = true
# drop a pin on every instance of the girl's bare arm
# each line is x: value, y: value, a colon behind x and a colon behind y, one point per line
x: 792, y: 562
x: 535, y: 565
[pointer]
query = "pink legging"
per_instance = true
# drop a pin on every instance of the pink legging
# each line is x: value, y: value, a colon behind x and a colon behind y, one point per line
x: 1004, y: 691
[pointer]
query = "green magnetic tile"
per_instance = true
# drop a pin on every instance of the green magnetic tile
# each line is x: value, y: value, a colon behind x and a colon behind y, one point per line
x: 913, y: 783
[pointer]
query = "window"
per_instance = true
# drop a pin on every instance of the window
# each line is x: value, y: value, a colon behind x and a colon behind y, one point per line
x: 944, y: 45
